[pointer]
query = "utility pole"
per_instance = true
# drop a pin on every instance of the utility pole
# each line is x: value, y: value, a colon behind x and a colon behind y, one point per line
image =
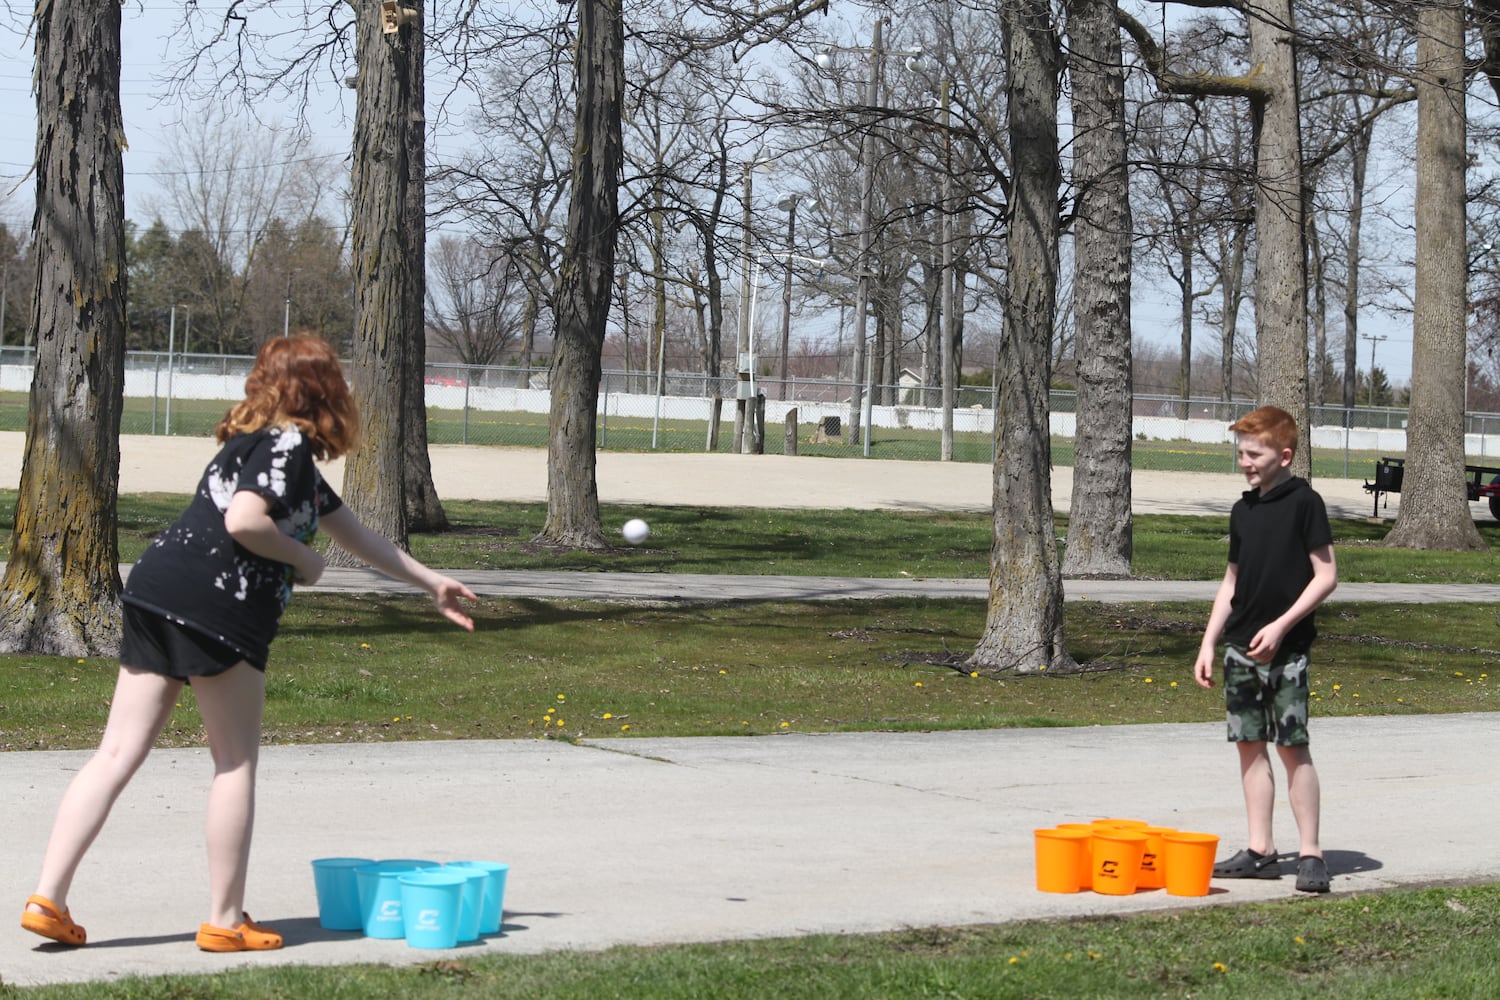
x: 1373, y: 339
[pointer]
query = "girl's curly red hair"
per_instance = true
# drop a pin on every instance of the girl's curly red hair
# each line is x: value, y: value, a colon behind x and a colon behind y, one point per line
x: 297, y: 380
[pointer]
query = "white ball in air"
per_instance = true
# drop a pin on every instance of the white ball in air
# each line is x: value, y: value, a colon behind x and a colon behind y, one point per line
x: 635, y: 531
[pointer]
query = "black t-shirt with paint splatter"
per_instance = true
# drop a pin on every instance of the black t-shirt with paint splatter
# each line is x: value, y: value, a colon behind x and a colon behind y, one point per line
x: 195, y: 574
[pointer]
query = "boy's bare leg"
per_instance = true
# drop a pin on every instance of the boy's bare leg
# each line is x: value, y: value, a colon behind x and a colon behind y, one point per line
x: 1259, y: 784
x: 1306, y: 797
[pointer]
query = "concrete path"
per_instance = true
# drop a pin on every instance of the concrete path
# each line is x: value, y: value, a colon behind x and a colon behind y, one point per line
x: 648, y: 841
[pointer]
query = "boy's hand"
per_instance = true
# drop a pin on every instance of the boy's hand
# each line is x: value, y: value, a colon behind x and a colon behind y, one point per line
x: 1203, y: 669
x: 1266, y: 642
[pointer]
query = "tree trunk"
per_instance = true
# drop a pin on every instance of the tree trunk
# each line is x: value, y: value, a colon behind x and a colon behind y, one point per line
x: 1434, y: 497
x: 1280, y: 262
x: 382, y: 247
x: 1232, y: 294
x: 424, y: 510
x: 60, y: 594
x: 1359, y: 154
x: 1024, y: 625
x: 1318, y: 284
x: 1099, y: 524
x: 585, y: 279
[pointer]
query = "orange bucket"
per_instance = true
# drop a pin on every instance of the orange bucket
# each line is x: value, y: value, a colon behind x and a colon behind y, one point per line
x: 1117, y: 860
x: 1086, y: 857
x: 1126, y: 824
x: 1058, y: 854
x: 1154, y: 860
x: 1189, y: 862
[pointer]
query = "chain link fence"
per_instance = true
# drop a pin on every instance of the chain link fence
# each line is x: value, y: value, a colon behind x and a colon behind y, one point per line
x: 187, y: 394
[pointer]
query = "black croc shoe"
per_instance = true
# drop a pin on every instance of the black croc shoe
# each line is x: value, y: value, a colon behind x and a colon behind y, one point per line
x: 1249, y: 864
x: 1312, y: 874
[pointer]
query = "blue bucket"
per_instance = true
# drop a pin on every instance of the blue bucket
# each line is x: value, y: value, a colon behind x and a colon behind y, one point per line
x: 431, y: 902
x: 494, y: 892
x: 380, y: 895
x: 472, y: 908
x: 338, y: 893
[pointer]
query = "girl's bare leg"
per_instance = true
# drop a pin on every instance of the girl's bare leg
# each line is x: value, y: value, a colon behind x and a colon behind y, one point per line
x: 141, y: 705
x: 231, y: 704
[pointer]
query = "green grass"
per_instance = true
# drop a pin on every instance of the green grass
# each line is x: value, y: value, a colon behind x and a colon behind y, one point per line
x: 1435, y: 941
x: 353, y: 668
x: 497, y: 535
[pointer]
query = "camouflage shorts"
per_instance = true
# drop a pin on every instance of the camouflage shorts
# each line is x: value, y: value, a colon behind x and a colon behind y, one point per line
x: 1266, y: 701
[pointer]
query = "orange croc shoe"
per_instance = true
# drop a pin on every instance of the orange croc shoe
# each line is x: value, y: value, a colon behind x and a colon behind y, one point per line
x: 53, y: 924
x: 247, y: 936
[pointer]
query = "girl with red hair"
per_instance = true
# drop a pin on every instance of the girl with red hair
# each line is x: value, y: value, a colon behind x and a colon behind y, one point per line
x: 202, y: 606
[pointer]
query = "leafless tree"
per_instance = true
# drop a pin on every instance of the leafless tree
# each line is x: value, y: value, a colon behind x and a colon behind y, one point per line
x: 1024, y: 625
x: 1434, y: 508
x: 1100, y: 530
x: 475, y: 303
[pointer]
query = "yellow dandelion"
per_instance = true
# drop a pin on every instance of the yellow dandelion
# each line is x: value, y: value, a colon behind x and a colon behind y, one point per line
x: 1458, y: 673
x: 973, y: 673
x: 1148, y: 680
x: 562, y: 697
x: 609, y: 715
x: 395, y: 718
x: 625, y: 727
x: 1173, y: 684
x: 785, y: 725
x: 1299, y: 940
x: 560, y: 723
x: 1338, y: 687
x: 1014, y: 960
x: 80, y: 659
x: 919, y: 684
x: 1220, y: 967
x: 723, y: 671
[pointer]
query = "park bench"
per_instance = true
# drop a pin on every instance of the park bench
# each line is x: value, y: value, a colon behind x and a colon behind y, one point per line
x: 1483, y: 482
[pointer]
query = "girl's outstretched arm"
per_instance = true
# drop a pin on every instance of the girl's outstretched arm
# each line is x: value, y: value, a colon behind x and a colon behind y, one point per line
x: 384, y: 555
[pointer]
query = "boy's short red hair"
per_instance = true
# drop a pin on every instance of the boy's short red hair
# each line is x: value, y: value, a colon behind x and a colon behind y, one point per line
x: 297, y: 380
x: 1271, y: 424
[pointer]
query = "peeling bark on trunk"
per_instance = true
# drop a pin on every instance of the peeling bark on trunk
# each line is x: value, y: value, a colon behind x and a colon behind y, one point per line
x: 60, y: 594
x: 585, y: 279
x: 1099, y: 524
x: 1434, y: 498
x: 382, y: 246
x: 1024, y: 625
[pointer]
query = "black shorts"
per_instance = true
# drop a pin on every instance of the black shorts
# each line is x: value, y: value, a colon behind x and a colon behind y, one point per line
x: 162, y: 646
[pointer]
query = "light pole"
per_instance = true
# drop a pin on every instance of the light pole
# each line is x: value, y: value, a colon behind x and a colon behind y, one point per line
x: 788, y: 204
x: 1373, y: 339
